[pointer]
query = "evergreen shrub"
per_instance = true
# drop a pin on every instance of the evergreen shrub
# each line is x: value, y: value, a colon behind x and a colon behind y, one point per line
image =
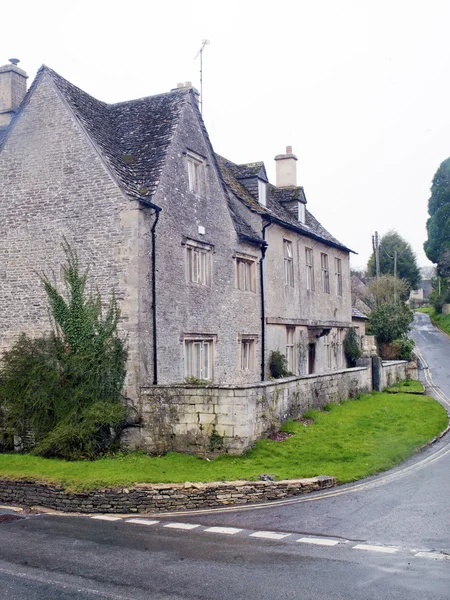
x: 61, y: 393
x: 352, y: 349
x: 278, y: 365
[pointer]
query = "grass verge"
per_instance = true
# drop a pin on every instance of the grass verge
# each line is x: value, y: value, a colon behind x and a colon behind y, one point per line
x: 440, y: 320
x: 409, y: 386
x: 350, y: 441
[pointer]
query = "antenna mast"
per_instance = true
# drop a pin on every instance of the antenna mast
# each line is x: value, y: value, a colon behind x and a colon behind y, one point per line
x: 200, y: 52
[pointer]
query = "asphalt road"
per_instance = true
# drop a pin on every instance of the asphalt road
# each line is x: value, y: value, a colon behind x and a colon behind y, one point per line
x: 385, y: 537
x: 57, y: 558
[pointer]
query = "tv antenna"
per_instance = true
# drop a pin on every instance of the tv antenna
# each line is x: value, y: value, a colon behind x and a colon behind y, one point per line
x: 200, y: 52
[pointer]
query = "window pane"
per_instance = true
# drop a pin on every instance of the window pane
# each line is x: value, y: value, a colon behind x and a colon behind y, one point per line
x: 199, y: 265
x: 245, y: 355
x: 196, y: 266
x: 288, y: 263
x: 244, y: 275
x: 262, y: 192
x: 206, y: 360
x: 287, y: 249
x: 194, y: 175
x: 309, y: 269
x: 338, y: 271
x: 325, y: 274
x: 191, y: 175
x: 187, y: 359
x: 189, y: 262
x: 301, y: 212
x: 196, y: 370
x: 203, y: 273
x: 198, y: 357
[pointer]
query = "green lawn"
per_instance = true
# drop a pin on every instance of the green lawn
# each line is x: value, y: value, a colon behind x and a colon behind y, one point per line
x: 442, y: 321
x: 351, y: 440
x: 410, y: 386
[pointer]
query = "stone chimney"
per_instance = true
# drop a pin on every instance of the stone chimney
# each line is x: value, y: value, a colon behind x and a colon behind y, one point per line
x: 188, y: 86
x: 286, y: 169
x: 13, y: 87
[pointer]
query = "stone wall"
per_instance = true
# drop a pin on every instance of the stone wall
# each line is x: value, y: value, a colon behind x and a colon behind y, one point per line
x: 54, y: 185
x: 157, y: 497
x: 217, y: 310
x: 210, y: 419
x: 397, y: 370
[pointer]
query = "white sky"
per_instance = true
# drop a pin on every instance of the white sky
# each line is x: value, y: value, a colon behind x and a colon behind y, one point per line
x: 360, y: 89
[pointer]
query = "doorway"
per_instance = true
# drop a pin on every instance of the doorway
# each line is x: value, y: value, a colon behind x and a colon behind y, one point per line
x: 311, y: 358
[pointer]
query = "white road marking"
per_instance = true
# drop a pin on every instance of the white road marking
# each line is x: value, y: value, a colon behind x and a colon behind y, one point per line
x: 435, y: 555
x: 269, y: 535
x: 181, y: 526
x: 371, y: 548
x: 318, y: 541
x: 141, y: 521
x: 227, y: 530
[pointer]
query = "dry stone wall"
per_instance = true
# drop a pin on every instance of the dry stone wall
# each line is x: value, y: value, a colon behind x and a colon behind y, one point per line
x: 157, y: 497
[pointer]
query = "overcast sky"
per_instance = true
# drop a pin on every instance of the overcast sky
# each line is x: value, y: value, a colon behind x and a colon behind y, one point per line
x: 360, y: 89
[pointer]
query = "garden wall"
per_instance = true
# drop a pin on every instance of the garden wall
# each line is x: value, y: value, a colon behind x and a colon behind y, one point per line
x: 156, y: 497
x: 206, y: 420
x: 392, y: 371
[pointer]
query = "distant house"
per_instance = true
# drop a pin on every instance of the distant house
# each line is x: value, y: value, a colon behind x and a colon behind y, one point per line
x: 423, y: 291
x: 214, y: 267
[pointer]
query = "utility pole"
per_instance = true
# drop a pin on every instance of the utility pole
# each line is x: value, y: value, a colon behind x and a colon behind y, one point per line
x: 200, y: 52
x: 376, y: 253
x: 395, y: 276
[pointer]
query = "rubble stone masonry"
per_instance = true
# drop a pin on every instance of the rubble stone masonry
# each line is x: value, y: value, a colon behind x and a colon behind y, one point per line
x: 157, y: 497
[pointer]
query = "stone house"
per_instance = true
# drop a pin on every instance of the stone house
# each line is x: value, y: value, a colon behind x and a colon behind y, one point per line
x: 213, y: 266
x: 422, y: 294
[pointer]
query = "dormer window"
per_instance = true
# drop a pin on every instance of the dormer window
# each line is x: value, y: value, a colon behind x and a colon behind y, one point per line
x: 301, y: 212
x: 262, y: 190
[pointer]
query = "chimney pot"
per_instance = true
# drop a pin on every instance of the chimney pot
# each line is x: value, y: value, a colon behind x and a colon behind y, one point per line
x: 288, y: 149
x: 188, y: 84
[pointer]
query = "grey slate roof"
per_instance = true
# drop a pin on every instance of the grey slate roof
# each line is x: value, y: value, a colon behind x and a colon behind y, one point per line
x: 2, y: 135
x: 289, y: 194
x: 274, y: 204
x: 256, y: 169
x: 133, y: 137
x: 357, y: 314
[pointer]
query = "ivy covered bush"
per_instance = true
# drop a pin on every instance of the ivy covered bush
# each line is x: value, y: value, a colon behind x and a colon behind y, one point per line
x: 352, y: 349
x: 61, y: 393
x: 278, y: 365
